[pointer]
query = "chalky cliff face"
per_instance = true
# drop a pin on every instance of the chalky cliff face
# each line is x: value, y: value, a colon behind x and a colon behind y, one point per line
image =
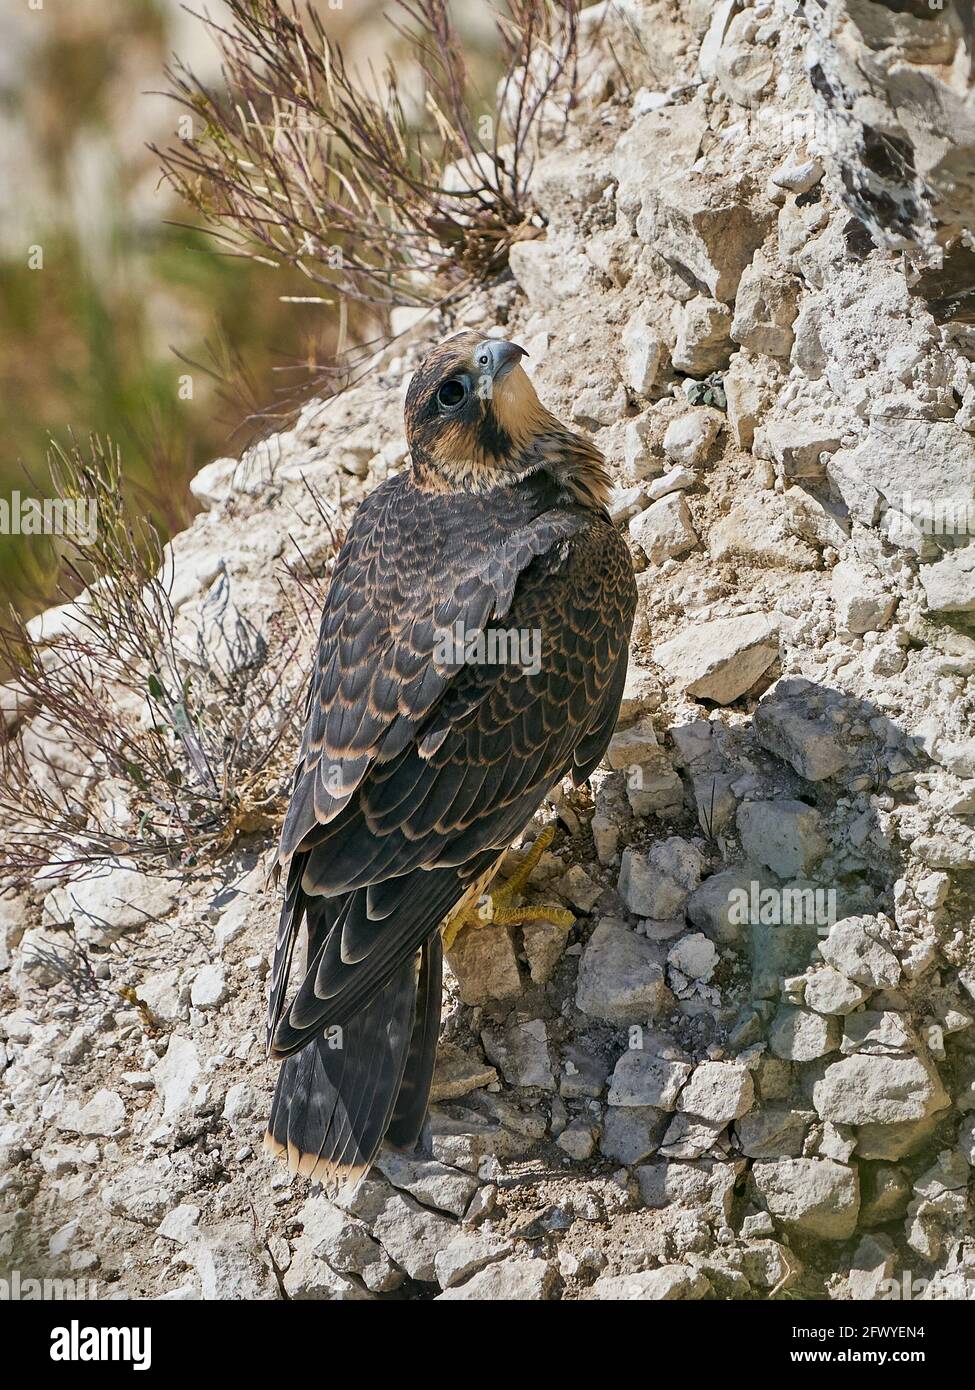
x: 750, y: 1066
x: 901, y: 120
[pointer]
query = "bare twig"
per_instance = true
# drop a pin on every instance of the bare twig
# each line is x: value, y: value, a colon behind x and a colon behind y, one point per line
x: 300, y: 162
x: 191, y: 741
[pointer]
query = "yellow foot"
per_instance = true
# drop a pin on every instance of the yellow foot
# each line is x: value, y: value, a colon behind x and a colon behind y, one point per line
x: 495, y: 908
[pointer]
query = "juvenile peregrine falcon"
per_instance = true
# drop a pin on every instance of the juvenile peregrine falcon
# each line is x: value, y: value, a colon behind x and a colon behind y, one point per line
x: 419, y: 765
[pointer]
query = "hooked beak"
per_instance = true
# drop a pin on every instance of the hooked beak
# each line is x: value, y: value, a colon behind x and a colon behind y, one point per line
x: 497, y: 357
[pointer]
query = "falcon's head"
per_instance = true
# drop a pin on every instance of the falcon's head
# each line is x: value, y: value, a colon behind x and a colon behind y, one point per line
x: 474, y: 422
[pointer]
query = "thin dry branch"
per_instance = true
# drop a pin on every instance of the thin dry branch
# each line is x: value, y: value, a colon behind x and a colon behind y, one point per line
x: 300, y: 162
x: 190, y: 742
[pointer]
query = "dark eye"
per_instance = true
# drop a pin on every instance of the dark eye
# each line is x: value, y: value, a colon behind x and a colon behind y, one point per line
x: 452, y: 393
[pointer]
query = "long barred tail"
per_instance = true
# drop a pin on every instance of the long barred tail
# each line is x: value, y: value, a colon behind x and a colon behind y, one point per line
x: 349, y: 1087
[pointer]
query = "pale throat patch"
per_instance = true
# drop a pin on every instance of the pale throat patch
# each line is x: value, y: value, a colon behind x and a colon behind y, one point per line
x: 517, y: 409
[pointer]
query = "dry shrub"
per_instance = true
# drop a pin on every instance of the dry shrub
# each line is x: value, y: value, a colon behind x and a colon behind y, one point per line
x: 129, y: 743
x: 301, y: 162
